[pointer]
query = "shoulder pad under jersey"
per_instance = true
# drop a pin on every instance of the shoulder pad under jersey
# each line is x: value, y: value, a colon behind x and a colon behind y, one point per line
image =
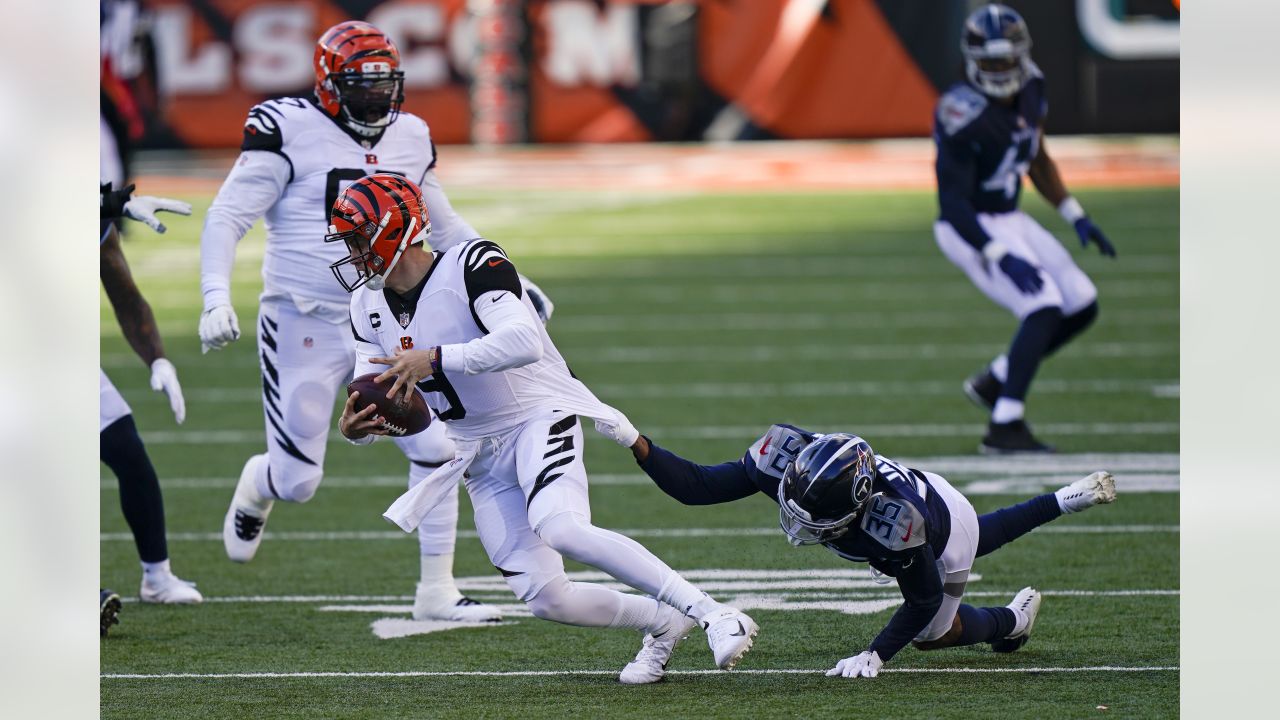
x: 777, y: 448
x: 893, y: 522
x: 419, y: 127
x: 958, y: 107
x: 264, y: 128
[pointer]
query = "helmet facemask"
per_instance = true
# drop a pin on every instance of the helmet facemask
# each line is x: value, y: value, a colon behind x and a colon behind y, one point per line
x: 808, y: 521
x: 370, y: 101
x: 997, y: 51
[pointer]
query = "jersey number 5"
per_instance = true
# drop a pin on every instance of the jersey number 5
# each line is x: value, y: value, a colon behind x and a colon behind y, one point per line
x: 440, y: 384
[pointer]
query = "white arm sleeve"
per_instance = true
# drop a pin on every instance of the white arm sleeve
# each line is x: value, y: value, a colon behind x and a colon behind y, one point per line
x: 513, y: 340
x: 255, y: 183
x: 447, y: 226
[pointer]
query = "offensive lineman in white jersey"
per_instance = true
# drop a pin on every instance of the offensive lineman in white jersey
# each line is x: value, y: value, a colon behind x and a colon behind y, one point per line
x: 457, y: 326
x: 296, y: 156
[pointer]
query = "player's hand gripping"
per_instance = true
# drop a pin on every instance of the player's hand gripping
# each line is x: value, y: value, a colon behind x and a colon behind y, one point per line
x: 218, y: 328
x: 164, y: 378
x: 865, y: 664
x: 1089, y: 232
x: 358, y: 425
x: 407, y: 367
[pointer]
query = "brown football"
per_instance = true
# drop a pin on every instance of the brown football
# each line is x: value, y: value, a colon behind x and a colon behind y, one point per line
x: 401, y: 418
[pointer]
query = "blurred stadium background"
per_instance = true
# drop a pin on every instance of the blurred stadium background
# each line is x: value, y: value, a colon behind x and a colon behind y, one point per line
x: 730, y: 203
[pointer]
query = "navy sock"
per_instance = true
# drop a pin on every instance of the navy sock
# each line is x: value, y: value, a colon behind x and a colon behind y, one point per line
x: 122, y: 450
x: 1072, y: 325
x: 1029, y: 346
x: 981, y: 625
x: 1008, y: 524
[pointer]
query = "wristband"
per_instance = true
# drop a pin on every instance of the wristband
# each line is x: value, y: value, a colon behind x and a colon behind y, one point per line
x: 1070, y: 210
x: 436, y: 359
x: 366, y: 440
x: 994, y: 250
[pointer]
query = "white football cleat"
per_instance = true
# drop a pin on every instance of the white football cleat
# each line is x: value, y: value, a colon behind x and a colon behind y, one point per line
x: 247, y: 517
x: 428, y: 605
x: 1025, y: 605
x: 650, y: 664
x: 730, y: 634
x: 166, y: 588
x: 1097, y: 489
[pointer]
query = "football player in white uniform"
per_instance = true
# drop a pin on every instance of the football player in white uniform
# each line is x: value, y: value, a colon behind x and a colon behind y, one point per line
x: 119, y: 445
x: 296, y: 157
x: 457, y: 326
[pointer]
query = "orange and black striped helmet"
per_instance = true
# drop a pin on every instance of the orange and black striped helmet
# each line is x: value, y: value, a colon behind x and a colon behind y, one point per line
x: 358, y: 77
x: 377, y: 216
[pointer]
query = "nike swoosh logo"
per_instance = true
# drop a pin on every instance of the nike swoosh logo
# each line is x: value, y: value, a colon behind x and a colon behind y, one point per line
x: 497, y: 298
x: 741, y: 630
x: 765, y: 447
x: 496, y: 263
x: 907, y: 537
x: 664, y: 632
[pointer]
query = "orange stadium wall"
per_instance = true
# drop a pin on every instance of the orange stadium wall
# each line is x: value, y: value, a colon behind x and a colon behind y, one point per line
x: 598, y: 71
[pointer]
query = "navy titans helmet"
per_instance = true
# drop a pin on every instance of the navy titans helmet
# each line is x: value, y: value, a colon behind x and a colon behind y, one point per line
x: 825, y: 487
x: 997, y: 50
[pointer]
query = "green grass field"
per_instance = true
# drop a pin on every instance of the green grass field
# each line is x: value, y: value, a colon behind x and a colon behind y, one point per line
x: 705, y: 318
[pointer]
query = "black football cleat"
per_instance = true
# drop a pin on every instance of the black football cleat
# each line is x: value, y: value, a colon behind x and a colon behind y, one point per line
x: 983, y: 389
x: 109, y: 606
x: 1011, y: 438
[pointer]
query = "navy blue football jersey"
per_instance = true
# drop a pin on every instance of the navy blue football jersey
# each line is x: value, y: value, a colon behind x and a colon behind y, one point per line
x: 902, y: 514
x: 984, y: 146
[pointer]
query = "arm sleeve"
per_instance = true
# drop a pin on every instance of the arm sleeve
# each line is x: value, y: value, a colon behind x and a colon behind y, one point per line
x: 922, y: 595
x: 512, y: 338
x: 956, y: 179
x: 694, y: 484
x: 447, y: 226
x: 255, y: 183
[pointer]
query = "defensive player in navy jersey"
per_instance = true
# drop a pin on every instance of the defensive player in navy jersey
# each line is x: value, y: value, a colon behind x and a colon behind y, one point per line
x: 909, y: 524
x: 989, y: 133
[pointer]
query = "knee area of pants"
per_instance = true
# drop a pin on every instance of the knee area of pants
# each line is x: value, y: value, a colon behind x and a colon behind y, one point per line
x: 298, y: 486
x: 552, y: 602
x: 562, y: 532
x: 310, y: 409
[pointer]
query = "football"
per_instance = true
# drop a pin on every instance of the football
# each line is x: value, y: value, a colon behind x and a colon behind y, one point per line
x: 400, y: 418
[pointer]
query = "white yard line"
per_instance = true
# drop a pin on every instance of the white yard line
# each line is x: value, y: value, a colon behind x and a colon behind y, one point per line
x: 571, y: 673
x: 745, y: 433
x: 1163, y: 388
x: 338, y: 535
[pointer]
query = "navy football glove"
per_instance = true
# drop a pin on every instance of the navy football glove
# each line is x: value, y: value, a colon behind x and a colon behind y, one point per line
x: 1023, y: 274
x: 1088, y: 231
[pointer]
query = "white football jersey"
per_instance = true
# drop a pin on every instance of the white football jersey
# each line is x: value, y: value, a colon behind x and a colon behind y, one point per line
x: 324, y: 158
x: 443, y: 313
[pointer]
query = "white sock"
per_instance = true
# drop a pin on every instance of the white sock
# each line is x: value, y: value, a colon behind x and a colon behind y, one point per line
x: 161, y: 567
x: 1000, y: 368
x: 640, y: 613
x: 437, y: 577
x: 260, y: 470
x: 1007, y: 410
x: 1019, y: 623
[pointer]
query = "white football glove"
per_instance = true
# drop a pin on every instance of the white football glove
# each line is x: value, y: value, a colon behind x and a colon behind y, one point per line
x: 619, y: 430
x: 218, y: 328
x: 865, y: 664
x: 143, y: 208
x: 164, y: 378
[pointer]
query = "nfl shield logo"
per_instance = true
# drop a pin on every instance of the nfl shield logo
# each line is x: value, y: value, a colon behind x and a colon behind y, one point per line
x: 307, y: 342
x: 404, y: 319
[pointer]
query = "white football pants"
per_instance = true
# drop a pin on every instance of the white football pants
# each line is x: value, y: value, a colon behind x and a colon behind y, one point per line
x: 305, y: 361
x: 111, y: 404
x: 1065, y: 284
x: 957, y: 559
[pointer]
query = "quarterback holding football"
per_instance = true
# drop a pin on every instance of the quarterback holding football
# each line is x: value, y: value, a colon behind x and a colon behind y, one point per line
x: 297, y: 156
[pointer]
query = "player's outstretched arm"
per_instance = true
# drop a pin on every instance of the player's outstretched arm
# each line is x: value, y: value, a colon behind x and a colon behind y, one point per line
x: 255, y: 183
x: 921, y: 587
x: 137, y: 322
x: 689, y: 482
x: 1048, y: 181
